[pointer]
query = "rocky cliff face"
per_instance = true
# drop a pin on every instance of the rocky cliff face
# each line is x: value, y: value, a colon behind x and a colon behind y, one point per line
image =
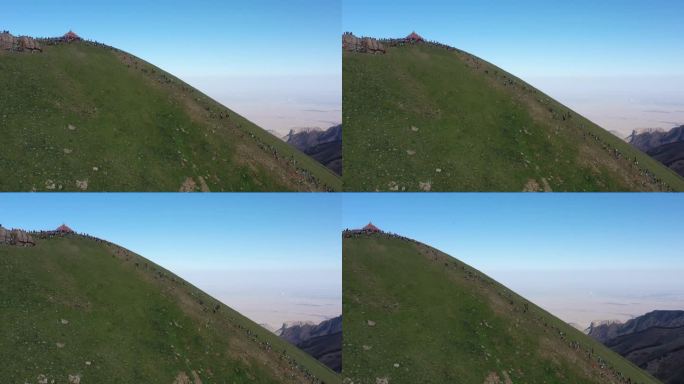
x: 21, y: 43
x: 665, y: 146
x: 648, y: 139
x: 654, y: 342
x: 605, y: 330
x: 324, y: 146
x: 15, y: 237
x: 322, y: 341
x: 361, y: 44
x: 295, y: 333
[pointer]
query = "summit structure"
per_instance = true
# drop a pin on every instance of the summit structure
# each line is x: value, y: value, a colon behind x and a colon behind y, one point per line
x: 371, y: 228
x: 64, y: 229
x: 414, y: 37
x: 71, y: 36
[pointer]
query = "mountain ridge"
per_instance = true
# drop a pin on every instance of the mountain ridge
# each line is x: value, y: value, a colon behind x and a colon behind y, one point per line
x: 414, y: 314
x: 323, y: 145
x: 322, y: 341
x: 79, y: 326
x: 653, y: 341
x: 430, y: 117
x: 89, y: 116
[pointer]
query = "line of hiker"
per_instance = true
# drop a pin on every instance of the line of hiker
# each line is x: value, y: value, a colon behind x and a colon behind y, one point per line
x: 221, y: 113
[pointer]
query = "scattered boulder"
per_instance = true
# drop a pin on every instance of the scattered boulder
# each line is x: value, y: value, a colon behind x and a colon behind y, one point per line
x: 82, y: 184
x: 6, y: 41
x: 188, y: 185
x: 203, y: 184
x: 492, y: 378
x: 19, y: 44
x: 370, y: 323
x: 425, y: 186
x: 29, y: 44
x: 74, y: 379
x: 182, y: 378
x: 533, y: 186
x: 361, y: 44
x: 195, y: 378
x: 16, y: 237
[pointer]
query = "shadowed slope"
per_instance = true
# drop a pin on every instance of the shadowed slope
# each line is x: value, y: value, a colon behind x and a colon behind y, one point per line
x: 81, y: 116
x: 414, y: 314
x: 424, y: 117
x: 78, y: 306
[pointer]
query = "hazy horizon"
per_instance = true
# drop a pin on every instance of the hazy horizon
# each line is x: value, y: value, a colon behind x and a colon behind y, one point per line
x: 613, y: 294
x: 620, y: 104
x: 278, y: 103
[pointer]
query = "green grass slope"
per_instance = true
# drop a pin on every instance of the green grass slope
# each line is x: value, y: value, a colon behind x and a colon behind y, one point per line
x: 127, y: 321
x: 437, y: 320
x: 135, y: 128
x: 421, y: 117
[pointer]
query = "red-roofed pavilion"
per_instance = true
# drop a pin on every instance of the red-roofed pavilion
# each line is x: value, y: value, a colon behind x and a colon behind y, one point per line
x: 371, y: 228
x: 414, y: 37
x: 70, y: 36
x: 64, y: 229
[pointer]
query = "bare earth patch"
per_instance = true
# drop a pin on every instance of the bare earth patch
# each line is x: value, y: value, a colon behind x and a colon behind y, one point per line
x: 188, y: 185
x: 425, y: 186
x: 492, y: 378
x: 82, y: 184
x: 203, y: 185
x: 531, y: 186
x: 182, y: 378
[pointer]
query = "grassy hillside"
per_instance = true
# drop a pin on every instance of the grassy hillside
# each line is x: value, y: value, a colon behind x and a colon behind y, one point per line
x: 85, y: 117
x: 413, y: 314
x: 77, y: 306
x: 422, y: 117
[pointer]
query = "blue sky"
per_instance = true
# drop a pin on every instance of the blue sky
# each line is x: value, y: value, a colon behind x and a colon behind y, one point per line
x: 532, y: 231
x: 537, y: 37
x: 201, y: 37
x: 273, y: 257
x: 221, y: 230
